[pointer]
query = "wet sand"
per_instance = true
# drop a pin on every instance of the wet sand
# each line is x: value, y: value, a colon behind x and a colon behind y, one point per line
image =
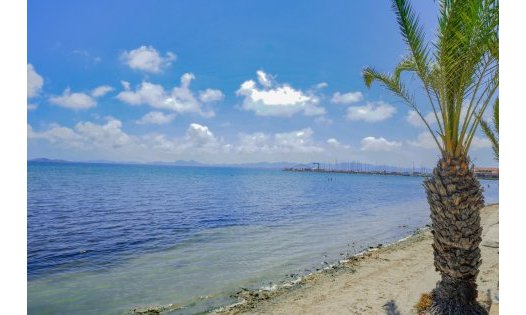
x: 385, y: 280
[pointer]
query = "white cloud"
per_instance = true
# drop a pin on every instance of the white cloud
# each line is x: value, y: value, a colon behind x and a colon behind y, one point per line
x: 480, y: 143
x: 101, y: 90
x: 378, y: 144
x: 273, y: 99
x: 125, y: 85
x: 333, y: 142
x: 199, y: 136
x: 321, y: 85
x: 210, y: 95
x: 108, y: 140
x: 107, y: 135
x: 336, y: 144
x: 186, y: 79
x: 34, y: 82
x: 347, y: 98
x: 80, y: 100
x: 157, y: 118
x: 73, y: 100
x: 414, y: 119
x: 180, y: 99
x: 265, y: 79
x: 148, y: 59
x: 55, y: 134
x: 255, y: 142
x: 424, y: 140
x: 91, y: 138
x: 371, y: 112
x: 147, y: 93
x: 298, y: 141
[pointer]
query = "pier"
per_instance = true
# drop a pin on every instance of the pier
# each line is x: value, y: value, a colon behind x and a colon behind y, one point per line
x: 358, y: 168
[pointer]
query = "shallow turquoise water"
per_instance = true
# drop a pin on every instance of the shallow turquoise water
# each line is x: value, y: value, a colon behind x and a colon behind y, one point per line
x: 104, y: 239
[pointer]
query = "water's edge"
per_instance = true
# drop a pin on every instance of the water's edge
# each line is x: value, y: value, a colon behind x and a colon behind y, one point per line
x: 247, y: 298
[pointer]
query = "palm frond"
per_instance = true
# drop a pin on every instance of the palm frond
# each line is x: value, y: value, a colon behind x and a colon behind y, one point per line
x: 413, y: 34
x: 393, y: 84
x: 459, y: 71
x: 493, y: 135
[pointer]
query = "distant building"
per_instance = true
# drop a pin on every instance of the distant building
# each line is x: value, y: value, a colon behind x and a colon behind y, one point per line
x: 487, y: 172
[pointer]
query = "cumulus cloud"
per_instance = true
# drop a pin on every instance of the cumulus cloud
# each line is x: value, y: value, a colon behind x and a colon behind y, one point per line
x: 272, y: 99
x: 101, y: 90
x: 56, y: 133
x: 424, y: 140
x: 157, y: 118
x: 336, y: 144
x: 109, y: 139
x: 255, y: 142
x: 199, y: 136
x: 86, y: 135
x: 346, y: 98
x: 180, y: 99
x: 321, y: 85
x: 211, y: 95
x: 378, y: 144
x: 148, y: 59
x: 80, y: 100
x: 75, y: 100
x: 298, y: 141
x: 264, y: 79
x: 415, y: 120
x: 107, y: 135
x: 34, y: 82
x: 371, y: 112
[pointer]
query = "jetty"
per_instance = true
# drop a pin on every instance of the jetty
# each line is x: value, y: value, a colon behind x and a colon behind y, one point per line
x: 368, y: 169
x: 358, y: 168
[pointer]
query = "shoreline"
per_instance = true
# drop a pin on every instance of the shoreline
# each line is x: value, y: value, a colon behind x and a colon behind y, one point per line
x: 364, y: 276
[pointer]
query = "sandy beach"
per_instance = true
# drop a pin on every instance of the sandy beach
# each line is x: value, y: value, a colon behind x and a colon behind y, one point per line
x: 384, y: 280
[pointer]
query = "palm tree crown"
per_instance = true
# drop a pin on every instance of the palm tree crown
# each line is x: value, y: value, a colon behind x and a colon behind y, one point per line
x: 458, y: 72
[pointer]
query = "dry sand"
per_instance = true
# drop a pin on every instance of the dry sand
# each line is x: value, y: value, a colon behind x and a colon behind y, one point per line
x: 388, y: 280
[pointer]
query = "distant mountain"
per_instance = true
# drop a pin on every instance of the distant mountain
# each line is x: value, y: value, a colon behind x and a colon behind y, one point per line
x: 266, y: 165
x: 46, y: 160
x: 179, y: 163
x: 357, y: 166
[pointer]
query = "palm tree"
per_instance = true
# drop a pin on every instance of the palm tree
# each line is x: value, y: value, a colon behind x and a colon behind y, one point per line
x: 493, y: 135
x: 458, y: 74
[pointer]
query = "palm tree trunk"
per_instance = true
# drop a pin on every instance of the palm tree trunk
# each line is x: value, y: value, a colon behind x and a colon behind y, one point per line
x: 455, y: 197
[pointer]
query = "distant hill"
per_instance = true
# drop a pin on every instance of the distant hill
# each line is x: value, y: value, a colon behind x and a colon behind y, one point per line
x: 267, y: 165
x: 178, y: 163
x: 46, y: 160
x: 260, y: 165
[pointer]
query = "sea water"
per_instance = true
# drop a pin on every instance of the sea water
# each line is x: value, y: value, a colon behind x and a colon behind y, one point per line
x: 110, y: 238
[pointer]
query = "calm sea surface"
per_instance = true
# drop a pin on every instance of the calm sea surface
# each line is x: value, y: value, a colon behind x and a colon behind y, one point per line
x: 105, y: 239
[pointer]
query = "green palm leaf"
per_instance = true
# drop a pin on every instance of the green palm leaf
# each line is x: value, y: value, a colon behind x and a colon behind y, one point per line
x: 458, y: 72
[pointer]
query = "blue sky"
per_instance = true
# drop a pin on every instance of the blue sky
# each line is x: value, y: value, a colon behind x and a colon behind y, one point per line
x: 221, y: 81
